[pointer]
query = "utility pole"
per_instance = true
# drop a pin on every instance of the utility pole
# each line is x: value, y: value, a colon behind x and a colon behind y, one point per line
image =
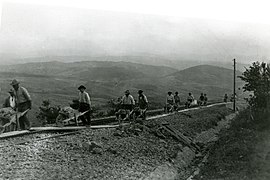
x: 234, y: 79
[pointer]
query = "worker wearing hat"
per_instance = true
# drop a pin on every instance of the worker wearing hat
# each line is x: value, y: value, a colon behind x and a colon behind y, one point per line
x: 84, y: 105
x: 10, y: 101
x: 23, y: 103
x: 142, y: 103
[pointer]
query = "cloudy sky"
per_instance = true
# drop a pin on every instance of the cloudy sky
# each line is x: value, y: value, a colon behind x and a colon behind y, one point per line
x: 179, y: 30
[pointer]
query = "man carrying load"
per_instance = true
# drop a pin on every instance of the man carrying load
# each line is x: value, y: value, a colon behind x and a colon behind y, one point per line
x: 126, y: 106
x: 84, y: 105
x: 128, y: 102
x: 170, y: 102
x: 23, y: 103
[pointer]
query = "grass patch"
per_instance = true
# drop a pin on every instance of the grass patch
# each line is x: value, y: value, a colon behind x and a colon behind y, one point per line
x: 233, y: 156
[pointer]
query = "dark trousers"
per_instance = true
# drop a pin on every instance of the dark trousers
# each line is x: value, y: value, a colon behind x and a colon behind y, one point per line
x: 127, y: 106
x: 86, y: 118
x: 24, y: 121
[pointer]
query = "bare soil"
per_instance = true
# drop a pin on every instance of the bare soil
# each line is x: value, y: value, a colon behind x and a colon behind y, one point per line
x: 117, y: 156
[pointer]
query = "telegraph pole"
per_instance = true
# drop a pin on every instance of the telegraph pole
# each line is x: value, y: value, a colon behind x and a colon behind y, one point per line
x: 234, y: 79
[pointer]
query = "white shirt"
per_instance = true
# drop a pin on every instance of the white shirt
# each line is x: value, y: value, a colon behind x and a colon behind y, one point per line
x: 84, y: 98
x: 128, y: 100
x: 12, y: 101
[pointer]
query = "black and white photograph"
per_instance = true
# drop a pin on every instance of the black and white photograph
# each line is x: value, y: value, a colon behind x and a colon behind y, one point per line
x: 134, y: 90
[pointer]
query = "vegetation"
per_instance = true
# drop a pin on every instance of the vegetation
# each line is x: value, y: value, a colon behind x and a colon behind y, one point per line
x: 257, y: 79
x: 241, y: 150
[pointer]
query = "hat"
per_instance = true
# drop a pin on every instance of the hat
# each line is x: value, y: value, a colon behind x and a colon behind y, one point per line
x: 14, y: 82
x: 140, y: 91
x: 11, y: 91
x: 81, y: 87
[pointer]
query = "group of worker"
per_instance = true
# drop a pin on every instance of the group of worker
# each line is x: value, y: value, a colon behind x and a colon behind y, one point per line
x: 226, y: 97
x: 20, y: 101
x: 129, y: 106
x: 173, y: 101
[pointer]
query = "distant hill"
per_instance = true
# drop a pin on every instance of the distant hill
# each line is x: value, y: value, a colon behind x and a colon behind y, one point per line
x: 213, y: 80
x: 93, y: 70
x: 205, y: 74
x: 173, y: 62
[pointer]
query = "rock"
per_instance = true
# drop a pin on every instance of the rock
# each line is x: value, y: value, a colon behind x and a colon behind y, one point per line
x: 97, y: 150
x: 162, y: 141
x: 86, y: 146
x: 95, y: 144
x: 137, y: 130
x: 159, y: 134
x: 184, y: 158
x: 163, y: 172
x: 117, y: 133
x: 179, y: 147
x: 111, y: 150
x: 89, y: 146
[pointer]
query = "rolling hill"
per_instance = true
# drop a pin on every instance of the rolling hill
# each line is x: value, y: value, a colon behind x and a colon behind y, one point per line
x: 93, y: 70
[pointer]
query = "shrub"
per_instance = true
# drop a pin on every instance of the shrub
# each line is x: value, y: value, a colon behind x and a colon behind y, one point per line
x: 257, y: 79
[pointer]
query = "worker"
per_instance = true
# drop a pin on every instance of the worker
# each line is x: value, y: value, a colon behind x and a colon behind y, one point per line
x: 170, y: 102
x: 127, y: 101
x: 23, y: 103
x: 226, y: 98
x: 201, y: 99
x: 84, y: 106
x: 205, y: 100
x: 177, y: 100
x: 10, y: 101
x: 143, y: 103
x: 190, y: 99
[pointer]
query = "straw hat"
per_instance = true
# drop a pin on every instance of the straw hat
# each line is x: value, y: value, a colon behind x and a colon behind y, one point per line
x: 14, y: 82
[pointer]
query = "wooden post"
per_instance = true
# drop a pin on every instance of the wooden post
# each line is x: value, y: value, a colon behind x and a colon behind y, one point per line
x: 17, y: 122
x: 234, y: 84
x: 75, y: 118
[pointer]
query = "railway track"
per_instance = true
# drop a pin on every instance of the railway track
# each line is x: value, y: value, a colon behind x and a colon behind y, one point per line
x: 43, y: 133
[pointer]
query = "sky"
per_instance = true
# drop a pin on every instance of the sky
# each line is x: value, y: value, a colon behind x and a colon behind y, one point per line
x: 173, y: 29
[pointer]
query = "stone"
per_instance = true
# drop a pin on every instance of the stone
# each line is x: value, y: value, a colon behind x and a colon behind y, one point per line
x: 97, y: 150
x: 184, y: 157
x: 89, y: 146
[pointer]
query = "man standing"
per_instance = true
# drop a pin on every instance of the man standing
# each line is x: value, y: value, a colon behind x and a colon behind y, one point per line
x: 190, y: 99
x: 225, y: 98
x: 143, y: 103
x: 128, y: 101
x: 84, y: 105
x: 201, y: 99
x: 170, y: 102
x: 10, y: 101
x: 177, y: 100
x: 23, y: 103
